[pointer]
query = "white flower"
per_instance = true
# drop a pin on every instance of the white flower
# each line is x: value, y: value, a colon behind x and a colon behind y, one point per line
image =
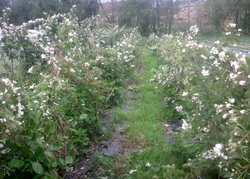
x: 231, y: 100
x: 30, y: 70
x: 194, y: 29
x: 72, y: 70
x: 225, y: 116
x: 225, y: 157
x: 185, y: 125
x: 217, y: 149
x: 222, y: 55
x: 179, y: 108
x: 235, y: 119
x: 204, y: 57
x: 227, y: 33
x: 7, y: 131
x: 217, y: 42
x: 228, y: 105
x: 232, y: 25
x: 70, y: 34
x: 43, y: 56
x: 216, y: 63
x: 242, y: 82
x: 233, y: 76
x: 200, y: 46
x: 235, y: 64
x: 148, y: 164
x: 239, y: 30
x: 185, y: 94
x: 243, y: 111
x: 214, y: 51
x: 132, y: 171
x: 7, y: 82
x: 184, y: 50
x: 205, y: 72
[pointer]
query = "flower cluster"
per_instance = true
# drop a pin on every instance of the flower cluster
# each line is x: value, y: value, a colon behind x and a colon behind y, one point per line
x: 215, y: 152
x: 212, y: 87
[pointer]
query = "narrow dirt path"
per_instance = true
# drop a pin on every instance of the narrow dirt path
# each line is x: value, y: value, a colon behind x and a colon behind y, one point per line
x: 138, y: 125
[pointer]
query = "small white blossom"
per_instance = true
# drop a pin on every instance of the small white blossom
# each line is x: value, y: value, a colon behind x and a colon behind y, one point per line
x: 185, y: 125
x: 205, y: 72
x: 243, y: 111
x: 132, y: 171
x: 43, y: 56
x: 72, y: 70
x: 184, y: 93
x: 225, y: 116
x: 231, y: 100
x: 242, y: 82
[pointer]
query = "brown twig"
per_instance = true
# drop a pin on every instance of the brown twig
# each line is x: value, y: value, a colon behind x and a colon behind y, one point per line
x: 109, y: 96
x: 65, y: 146
x: 63, y: 118
x: 176, y: 74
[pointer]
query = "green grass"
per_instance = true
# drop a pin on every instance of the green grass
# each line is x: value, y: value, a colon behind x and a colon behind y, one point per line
x: 143, y: 125
x: 144, y: 121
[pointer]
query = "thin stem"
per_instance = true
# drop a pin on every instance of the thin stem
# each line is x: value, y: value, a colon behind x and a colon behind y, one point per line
x: 65, y: 146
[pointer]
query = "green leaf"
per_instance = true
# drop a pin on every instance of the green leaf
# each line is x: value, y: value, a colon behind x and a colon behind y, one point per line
x: 40, y: 152
x: 66, y: 137
x: 1, y: 174
x: 42, y: 86
x: 191, y: 150
x: 68, y: 159
x: 37, y: 167
x: 35, y: 120
x: 15, y: 163
x: 101, y: 97
x: 214, y: 142
x: 83, y: 116
x: 62, y: 161
x: 28, y: 151
x: 225, y: 174
x: 235, y: 155
x: 248, y: 61
x: 52, y: 128
x: 199, y: 135
x: 37, y: 176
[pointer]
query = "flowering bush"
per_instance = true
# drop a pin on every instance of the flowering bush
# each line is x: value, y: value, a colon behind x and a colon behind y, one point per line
x: 212, y: 92
x: 72, y: 72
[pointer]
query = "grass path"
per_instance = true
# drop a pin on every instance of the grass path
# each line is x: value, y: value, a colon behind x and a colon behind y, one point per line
x: 144, y: 125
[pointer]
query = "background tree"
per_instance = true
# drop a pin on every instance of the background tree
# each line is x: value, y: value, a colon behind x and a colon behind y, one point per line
x: 3, y: 4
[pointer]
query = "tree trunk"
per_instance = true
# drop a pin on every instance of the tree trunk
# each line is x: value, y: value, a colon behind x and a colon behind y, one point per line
x: 236, y: 18
x: 246, y: 19
x: 171, y: 16
x: 104, y: 11
x: 113, y: 18
x: 158, y: 17
x: 188, y: 14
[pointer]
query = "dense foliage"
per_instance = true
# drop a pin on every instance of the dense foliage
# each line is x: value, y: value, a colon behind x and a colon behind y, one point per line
x: 67, y: 76
x: 211, y: 91
x: 25, y: 10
